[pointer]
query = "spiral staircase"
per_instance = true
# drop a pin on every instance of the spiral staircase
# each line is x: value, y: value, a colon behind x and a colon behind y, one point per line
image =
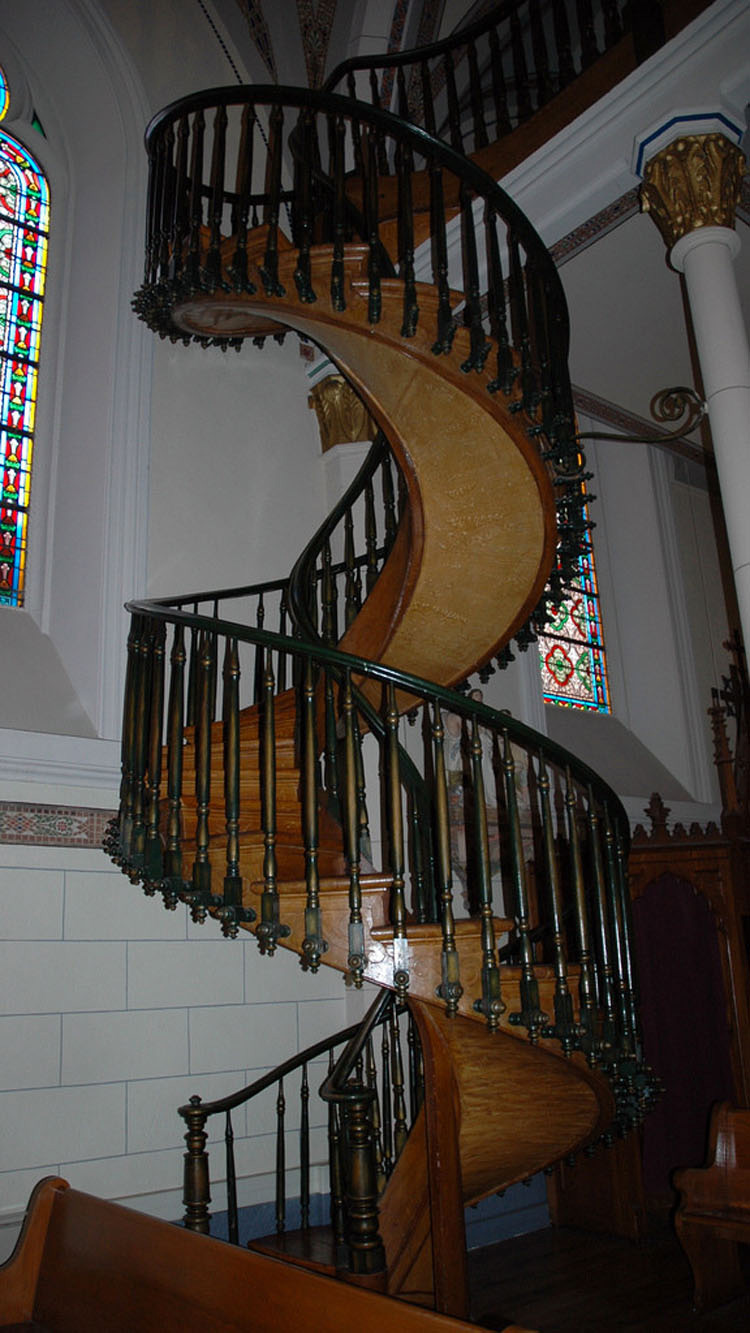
x: 261, y: 766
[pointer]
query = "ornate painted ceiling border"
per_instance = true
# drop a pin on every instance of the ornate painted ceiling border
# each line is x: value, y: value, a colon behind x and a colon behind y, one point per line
x: 52, y: 825
x: 592, y: 230
x: 315, y: 27
x: 258, y: 28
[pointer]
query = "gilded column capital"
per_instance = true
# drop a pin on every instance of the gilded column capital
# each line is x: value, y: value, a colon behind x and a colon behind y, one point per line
x: 342, y: 416
x: 694, y: 182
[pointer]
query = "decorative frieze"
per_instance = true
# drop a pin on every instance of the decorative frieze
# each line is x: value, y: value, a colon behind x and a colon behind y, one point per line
x: 694, y: 182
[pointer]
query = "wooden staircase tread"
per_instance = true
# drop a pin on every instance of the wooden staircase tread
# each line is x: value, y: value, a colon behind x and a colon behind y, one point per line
x: 418, y: 931
x: 314, y: 1248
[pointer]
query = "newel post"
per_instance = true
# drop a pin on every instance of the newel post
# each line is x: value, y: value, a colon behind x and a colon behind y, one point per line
x: 196, y: 1193
x: 366, y: 1250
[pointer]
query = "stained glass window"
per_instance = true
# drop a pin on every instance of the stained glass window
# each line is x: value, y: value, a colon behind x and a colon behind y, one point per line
x: 24, y: 229
x: 571, y: 650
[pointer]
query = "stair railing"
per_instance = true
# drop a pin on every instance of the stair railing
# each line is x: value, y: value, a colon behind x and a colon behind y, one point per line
x: 483, y: 81
x: 207, y: 162
x: 526, y: 840
x: 373, y: 1097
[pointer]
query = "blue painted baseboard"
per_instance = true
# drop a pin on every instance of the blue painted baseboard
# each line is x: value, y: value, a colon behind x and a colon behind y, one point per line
x: 521, y: 1209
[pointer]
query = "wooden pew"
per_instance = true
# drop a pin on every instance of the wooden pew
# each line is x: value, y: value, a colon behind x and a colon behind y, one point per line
x: 82, y: 1263
x: 713, y: 1216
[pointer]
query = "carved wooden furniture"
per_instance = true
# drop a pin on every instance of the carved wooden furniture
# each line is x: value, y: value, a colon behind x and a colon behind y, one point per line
x: 713, y: 1217
x: 82, y: 1263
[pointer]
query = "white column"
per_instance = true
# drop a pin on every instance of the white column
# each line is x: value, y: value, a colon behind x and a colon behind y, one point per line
x: 705, y: 257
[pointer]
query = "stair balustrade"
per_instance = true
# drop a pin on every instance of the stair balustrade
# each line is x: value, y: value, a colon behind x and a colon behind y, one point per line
x: 373, y: 1096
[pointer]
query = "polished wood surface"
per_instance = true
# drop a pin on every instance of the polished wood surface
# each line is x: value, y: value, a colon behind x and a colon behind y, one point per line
x: 571, y: 1281
x: 713, y: 1217
x: 85, y: 1264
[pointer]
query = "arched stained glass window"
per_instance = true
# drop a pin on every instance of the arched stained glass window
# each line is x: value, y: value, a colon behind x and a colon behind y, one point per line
x: 571, y: 650
x: 24, y: 230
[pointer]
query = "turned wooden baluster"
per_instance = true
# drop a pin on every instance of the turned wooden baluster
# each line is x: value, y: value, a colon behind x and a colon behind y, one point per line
x: 181, y: 198
x: 127, y: 750
x: 304, y: 1151
x: 233, y: 1221
x: 357, y: 957
x: 603, y: 925
x: 372, y: 226
x: 564, y: 1028
x: 270, y: 268
x: 270, y: 928
x: 231, y: 737
x: 175, y: 743
x: 243, y: 187
x: 445, y: 329
x: 506, y: 372
x: 280, y: 1160
x: 338, y: 299
x: 201, y: 889
x: 192, y: 273
x: 140, y: 747
x: 586, y: 980
x: 212, y: 264
x: 303, y: 206
x: 153, y: 867
x: 450, y: 989
x: 530, y: 1014
x: 396, y: 846
x: 313, y: 944
x: 490, y: 1003
x: 401, y: 1130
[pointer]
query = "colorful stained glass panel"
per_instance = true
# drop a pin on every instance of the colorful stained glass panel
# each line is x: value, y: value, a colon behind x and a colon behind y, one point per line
x: 4, y: 95
x: 24, y: 228
x: 571, y: 650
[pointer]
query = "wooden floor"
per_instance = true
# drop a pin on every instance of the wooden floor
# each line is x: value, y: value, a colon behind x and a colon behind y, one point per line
x: 569, y: 1281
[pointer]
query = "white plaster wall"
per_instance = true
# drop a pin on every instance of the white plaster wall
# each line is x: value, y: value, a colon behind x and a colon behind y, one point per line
x: 237, y: 484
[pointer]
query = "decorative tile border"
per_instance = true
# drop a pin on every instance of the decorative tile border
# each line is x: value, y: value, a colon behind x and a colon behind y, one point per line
x: 580, y: 238
x: 52, y: 825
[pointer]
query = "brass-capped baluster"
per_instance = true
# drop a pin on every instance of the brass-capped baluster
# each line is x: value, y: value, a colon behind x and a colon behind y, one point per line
x: 371, y: 537
x: 396, y: 846
x: 365, y: 848
x: 281, y: 668
x: 377, y: 1140
x: 428, y: 101
x: 304, y: 1151
x: 192, y: 688
x: 564, y: 1028
x: 589, y: 48
x: 166, y: 202
x: 445, y: 329
x: 490, y: 1003
x: 606, y: 974
x: 477, y: 102
x: 520, y: 71
x: 626, y: 1044
x: 335, y: 1167
x: 175, y: 743
x: 499, y: 89
x: 389, y: 504
x: 192, y: 271
x: 269, y: 929
x: 544, y: 88
x: 233, y: 1228
x: 520, y: 314
x: 382, y: 159
x: 181, y: 213
x: 260, y: 653
x: 330, y: 759
x: 386, y: 1104
x: 196, y: 1190
x: 338, y: 175
x: 280, y: 1160
x: 153, y: 867
x: 231, y: 735
x: 202, y: 865
x: 586, y: 981
x: 313, y: 944
x: 140, y: 750
x: 374, y: 301
x: 450, y: 989
x: 330, y: 598
x: 530, y: 1015
x: 213, y: 678
x: 506, y: 372
x: 212, y: 279
x: 420, y: 905
x: 153, y: 213
x: 270, y: 268
x: 542, y: 349
x: 454, y: 110
x: 472, y: 308
x: 416, y: 1069
x: 303, y: 206
x: 565, y: 67
x: 127, y: 751
x: 400, y: 1127
x: 627, y: 930
x: 241, y: 211
x: 356, y: 136
x: 405, y: 171
x: 357, y: 958
x: 351, y: 602
x: 313, y: 598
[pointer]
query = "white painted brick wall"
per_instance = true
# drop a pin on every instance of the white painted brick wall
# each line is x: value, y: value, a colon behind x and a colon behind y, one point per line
x: 114, y: 1012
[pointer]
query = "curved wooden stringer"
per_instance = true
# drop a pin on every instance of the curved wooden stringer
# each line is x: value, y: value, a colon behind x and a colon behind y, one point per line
x: 480, y: 425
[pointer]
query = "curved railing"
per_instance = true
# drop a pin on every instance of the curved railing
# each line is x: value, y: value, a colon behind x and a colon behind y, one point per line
x: 373, y: 1080
x: 207, y: 215
x: 523, y: 837
x: 483, y: 81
